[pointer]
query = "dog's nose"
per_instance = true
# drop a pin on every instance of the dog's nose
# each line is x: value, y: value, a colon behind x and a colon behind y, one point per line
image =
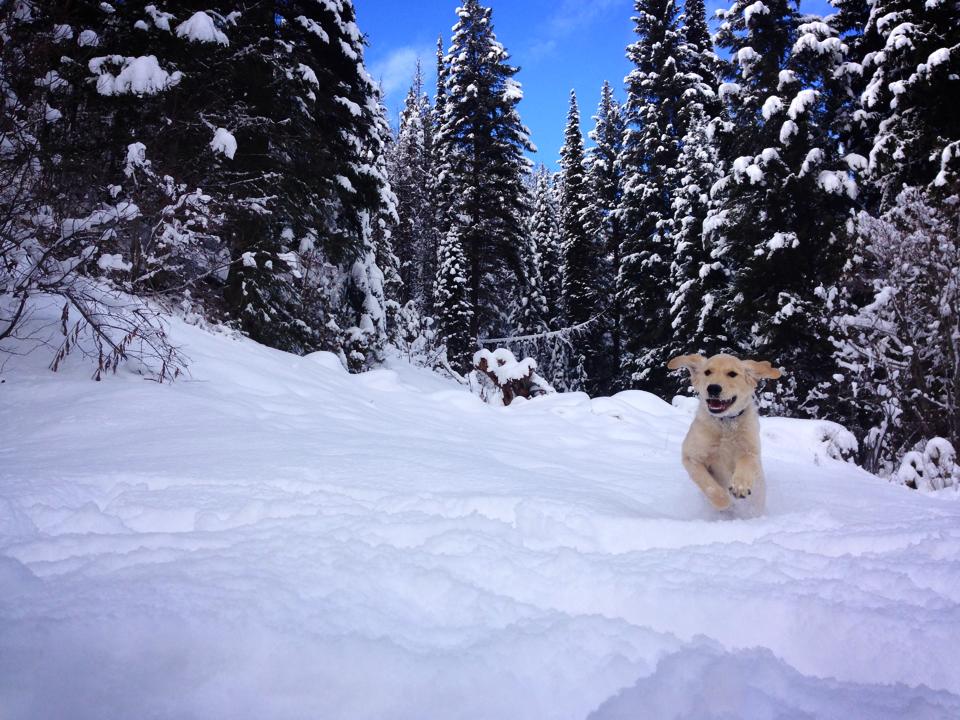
x: 714, y: 390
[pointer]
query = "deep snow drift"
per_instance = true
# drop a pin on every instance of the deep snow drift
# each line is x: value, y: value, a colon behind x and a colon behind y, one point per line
x: 273, y: 538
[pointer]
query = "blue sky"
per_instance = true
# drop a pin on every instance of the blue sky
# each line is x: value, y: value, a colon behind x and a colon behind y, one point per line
x: 559, y: 45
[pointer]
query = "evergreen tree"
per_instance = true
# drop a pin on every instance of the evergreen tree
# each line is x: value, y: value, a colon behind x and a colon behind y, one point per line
x: 603, y: 224
x: 913, y: 75
x: 786, y: 196
x: 453, y: 311
x: 546, y: 239
x: 482, y: 142
x: 579, y: 257
x: 277, y: 178
x: 655, y: 96
x: 698, y: 271
x: 414, y: 237
x: 581, y: 252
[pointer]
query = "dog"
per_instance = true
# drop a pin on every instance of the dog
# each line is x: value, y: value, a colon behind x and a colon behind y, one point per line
x: 721, y: 452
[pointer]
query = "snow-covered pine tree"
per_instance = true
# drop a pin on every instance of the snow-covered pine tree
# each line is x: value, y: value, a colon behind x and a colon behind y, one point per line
x: 582, y: 254
x: 655, y: 96
x: 482, y: 144
x: 532, y: 313
x: 698, y: 270
x: 452, y: 308
x: 699, y: 63
x: 914, y: 78
x: 786, y: 196
x: 605, y: 181
x: 411, y: 173
x: 855, y: 126
x: 545, y: 235
x: 261, y: 198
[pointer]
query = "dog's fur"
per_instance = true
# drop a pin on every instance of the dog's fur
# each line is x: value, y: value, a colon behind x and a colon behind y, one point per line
x: 722, y: 449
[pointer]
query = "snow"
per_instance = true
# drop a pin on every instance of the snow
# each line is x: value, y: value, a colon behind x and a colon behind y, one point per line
x: 200, y: 27
x: 109, y: 261
x: 136, y: 157
x: 272, y: 537
x: 512, y: 91
x: 138, y: 75
x: 313, y: 27
x: 103, y: 215
x: 160, y: 19
x: 88, y: 38
x: 502, y: 363
x: 788, y: 130
x: 224, y: 142
x: 757, y: 8
x: 354, y: 109
x: 771, y: 106
x: 801, y: 103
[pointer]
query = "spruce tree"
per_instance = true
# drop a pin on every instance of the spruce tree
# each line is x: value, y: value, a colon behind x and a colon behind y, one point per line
x: 411, y: 172
x: 914, y: 78
x: 655, y: 97
x: 603, y: 224
x: 546, y: 238
x: 268, y: 198
x: 698, y: 270
x: 786, y: 196
x: 453, y: 310
x: 582, y: 254
x: 482, y: 142
x: 579, y: 256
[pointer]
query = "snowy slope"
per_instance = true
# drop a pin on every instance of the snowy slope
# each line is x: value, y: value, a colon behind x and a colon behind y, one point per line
x: 273, y: 538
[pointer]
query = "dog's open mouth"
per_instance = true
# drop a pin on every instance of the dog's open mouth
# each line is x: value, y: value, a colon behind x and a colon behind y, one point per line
x: 717, y: 406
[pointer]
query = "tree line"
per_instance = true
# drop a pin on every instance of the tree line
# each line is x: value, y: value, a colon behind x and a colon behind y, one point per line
x: 785, y: 188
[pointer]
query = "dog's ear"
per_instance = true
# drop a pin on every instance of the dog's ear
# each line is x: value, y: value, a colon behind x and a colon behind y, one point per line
x: 690, y: 362
x: 758, y: 369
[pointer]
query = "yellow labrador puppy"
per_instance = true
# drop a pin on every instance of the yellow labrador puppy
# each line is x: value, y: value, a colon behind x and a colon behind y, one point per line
x: 722, y: 449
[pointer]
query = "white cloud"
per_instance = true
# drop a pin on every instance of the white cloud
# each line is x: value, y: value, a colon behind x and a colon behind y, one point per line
x: 395, y: 71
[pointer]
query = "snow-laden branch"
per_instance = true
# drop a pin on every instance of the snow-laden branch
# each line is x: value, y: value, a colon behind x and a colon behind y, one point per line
x: 562, y: 332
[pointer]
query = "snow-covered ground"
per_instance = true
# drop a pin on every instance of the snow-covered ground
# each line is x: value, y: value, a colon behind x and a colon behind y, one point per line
x: 274, y: 538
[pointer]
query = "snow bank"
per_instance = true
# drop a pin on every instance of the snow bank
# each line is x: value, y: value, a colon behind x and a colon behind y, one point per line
x: 707, y: 684
x: 272, y: 537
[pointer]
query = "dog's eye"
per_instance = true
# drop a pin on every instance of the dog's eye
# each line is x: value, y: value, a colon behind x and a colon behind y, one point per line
x: 707, y: 372
x: 731, y: 374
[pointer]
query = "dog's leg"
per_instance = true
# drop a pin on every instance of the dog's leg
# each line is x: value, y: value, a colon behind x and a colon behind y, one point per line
x: 717, y: 495
x: 746, y: 474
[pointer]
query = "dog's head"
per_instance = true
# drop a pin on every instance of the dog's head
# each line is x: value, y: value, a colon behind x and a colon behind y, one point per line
x: 724, y: 383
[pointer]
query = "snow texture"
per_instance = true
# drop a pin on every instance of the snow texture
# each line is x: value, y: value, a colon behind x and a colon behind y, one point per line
x: 201, y: 28
x: 274, y: 538
x: 138, y: 75
x: 224, y: 142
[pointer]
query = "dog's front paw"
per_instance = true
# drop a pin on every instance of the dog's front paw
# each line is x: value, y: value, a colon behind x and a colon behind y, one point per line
x: 741, y: 487
x: 719, y: 498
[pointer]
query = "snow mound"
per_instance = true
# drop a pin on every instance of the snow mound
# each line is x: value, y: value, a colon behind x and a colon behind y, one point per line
x: 707, y: 684
x: 273, y: 537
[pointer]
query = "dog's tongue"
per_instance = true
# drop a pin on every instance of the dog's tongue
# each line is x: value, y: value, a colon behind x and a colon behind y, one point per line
x: 716, y: 404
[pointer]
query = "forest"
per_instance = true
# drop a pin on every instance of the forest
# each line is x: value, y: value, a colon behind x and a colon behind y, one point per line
x: 774, y: 184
